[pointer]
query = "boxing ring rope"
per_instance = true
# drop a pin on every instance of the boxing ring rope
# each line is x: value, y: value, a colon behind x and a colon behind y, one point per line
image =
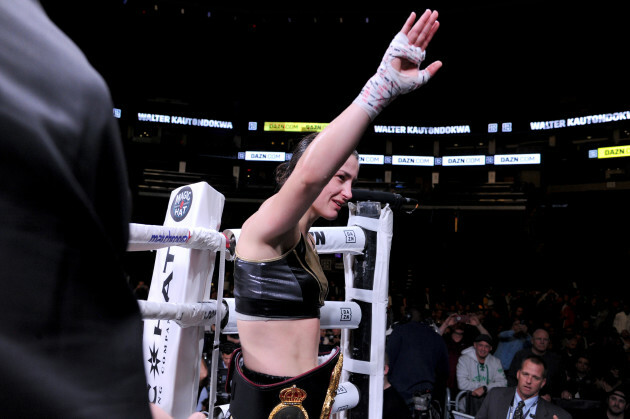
x: 143, y: 237
x: 334, y: 314
x: 152, y: 237
x: 180, y: 288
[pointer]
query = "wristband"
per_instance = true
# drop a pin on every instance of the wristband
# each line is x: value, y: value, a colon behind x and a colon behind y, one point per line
x: 388, y: 83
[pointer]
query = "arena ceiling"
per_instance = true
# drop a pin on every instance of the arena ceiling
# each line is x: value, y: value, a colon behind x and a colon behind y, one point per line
x: 501, y: 59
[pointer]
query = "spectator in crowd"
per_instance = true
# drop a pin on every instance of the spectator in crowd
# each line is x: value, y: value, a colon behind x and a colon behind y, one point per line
x: 616, y: 403
x: 471, y: 323
x: 580, y: 383
x: 621, y: 321
x: 613, y: 377
x: 328, y: 339
x: 511, y: 341
x: 592, y: 334
x: 570, y: 350
x: 540, y: 346
x: 418, y: 358
x: 234, y: 338
x: 478, y: 370
x: 324, y: 341
x: 394, y: 406
x: 585, y: 333
x: 609, y: 362
x: 459, y: 332
x: 524, y: 401
x: 226, y: 349
x: 519, y: 314
x: 455, y: 344
x: 204, y: 375
x: 437, y: 315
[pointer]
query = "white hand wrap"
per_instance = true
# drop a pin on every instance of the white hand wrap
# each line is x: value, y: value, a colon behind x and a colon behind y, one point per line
x: 388, y: 83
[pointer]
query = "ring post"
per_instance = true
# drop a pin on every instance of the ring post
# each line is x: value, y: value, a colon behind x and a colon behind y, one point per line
x: 180, y: 275
x: 367, y: 283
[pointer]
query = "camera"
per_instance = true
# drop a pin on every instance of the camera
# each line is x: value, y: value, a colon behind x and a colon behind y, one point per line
x: 421, y: 405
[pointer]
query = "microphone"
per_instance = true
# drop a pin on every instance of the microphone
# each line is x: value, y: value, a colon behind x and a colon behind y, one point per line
x: 394, y: 199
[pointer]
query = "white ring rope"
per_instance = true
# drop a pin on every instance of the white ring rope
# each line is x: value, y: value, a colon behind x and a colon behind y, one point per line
x: 184, y: 314
x: 151, y: 237
x: 334, y: 314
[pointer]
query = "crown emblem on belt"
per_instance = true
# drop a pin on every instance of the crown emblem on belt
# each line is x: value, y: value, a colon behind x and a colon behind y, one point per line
x: 290, y: 404
x: 292, y: 395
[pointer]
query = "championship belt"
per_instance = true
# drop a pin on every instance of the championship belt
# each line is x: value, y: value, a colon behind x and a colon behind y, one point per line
x: 306, y: 396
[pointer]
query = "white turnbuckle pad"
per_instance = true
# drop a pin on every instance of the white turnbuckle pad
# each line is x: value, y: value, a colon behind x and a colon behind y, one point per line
x: 173, y: 354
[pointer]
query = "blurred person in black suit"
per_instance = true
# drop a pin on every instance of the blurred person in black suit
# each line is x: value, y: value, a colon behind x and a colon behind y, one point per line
x: 70, y: 327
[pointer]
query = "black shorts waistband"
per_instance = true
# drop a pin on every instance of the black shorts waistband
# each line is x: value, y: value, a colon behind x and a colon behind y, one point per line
x: 261, y: 378
x: 314, y: 391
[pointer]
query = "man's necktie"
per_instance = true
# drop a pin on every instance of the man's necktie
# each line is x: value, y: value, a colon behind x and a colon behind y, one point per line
x: 518, y: 413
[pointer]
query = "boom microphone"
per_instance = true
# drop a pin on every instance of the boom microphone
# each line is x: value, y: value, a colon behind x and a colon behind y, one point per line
x: 394, y: 199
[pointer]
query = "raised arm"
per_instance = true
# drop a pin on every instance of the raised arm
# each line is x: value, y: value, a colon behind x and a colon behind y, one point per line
x: 473, y: 320
x: 450, y: 321
x: 398, y: 73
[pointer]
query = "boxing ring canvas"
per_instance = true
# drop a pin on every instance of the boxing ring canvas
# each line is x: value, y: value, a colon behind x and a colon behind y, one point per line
x: 178, y: 310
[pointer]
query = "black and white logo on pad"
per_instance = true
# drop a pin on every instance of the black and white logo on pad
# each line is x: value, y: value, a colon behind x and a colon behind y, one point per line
x: 181, y: 204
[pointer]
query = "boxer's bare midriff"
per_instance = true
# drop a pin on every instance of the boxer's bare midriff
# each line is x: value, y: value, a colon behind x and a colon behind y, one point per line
x: 280, y: 347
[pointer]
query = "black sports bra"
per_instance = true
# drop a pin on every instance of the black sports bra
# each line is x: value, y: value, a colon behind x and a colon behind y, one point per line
x: 291, y: 286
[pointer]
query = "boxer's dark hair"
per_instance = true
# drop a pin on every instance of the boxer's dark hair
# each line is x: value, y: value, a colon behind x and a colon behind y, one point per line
x: 284, y: 170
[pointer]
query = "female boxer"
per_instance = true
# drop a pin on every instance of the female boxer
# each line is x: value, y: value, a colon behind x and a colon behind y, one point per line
x: 279, y: 284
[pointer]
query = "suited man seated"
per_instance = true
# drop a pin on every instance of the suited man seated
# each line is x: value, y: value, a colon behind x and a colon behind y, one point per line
x: 522, y: 401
